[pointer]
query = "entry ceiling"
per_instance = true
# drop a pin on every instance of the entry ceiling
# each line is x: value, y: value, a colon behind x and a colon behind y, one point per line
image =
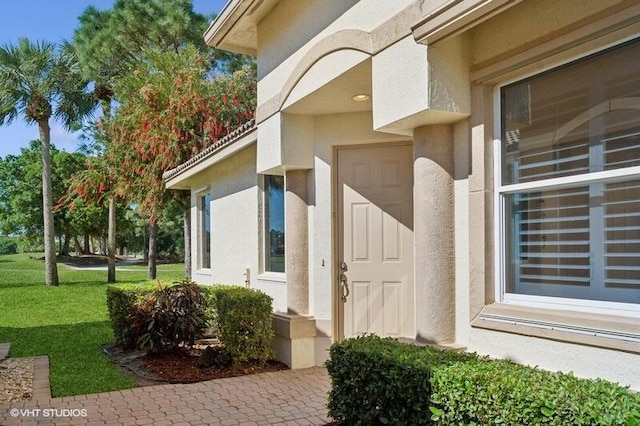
x: 336, y: 97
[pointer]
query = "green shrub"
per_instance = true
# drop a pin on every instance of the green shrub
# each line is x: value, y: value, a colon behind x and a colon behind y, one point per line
x: 121, y: 300
x: 8, y: 245
x: 170, y: 317
x: 382, y: 381
x: 240, y: 318
x: 243, y: 321
x: 484, y: 391
x: 30, y: 244
x: 211, y: 313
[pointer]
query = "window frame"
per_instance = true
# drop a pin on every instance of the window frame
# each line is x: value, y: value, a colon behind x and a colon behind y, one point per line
x: 201, y: 196
x: 501, y: 221
x: 264, y: 260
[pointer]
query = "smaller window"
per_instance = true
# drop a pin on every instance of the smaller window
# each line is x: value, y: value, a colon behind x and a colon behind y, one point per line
x: 205, y: 231
x: 274, y: 224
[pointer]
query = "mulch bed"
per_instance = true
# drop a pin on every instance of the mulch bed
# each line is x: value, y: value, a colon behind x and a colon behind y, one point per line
x: 178, y: 367
x: 181, y: 368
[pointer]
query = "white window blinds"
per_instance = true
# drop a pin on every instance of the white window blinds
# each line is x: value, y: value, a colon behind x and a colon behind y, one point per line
x: 571, y: 179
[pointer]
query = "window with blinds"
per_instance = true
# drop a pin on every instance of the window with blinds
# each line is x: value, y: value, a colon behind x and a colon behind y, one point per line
x: 570, y: 180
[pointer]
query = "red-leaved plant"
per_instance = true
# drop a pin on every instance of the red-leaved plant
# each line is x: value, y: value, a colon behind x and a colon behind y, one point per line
x: 170, y: 318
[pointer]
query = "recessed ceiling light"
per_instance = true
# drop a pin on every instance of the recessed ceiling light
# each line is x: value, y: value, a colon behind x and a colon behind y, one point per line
x: 361, y: 97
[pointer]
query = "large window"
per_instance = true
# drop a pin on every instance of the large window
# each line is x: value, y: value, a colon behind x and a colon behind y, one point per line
x: 205, y: 231
x: 274, y: 223
x: 569, y: 182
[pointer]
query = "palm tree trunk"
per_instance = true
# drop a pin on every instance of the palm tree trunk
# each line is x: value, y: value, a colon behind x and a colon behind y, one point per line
x: 111, y: 243
x: 51, y: 267
x: 153, y: 238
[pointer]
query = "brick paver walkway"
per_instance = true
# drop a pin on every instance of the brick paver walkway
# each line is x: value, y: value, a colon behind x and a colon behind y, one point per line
x: 291, y: 397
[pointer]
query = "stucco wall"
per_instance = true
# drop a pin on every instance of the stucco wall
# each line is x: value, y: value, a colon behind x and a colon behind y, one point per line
x: 526, y: 22
x: 583, y: 361
x: 234, y: 219
x: 462, y: 212
x: 234, y: 213
x: 434, y: 87
x: 285, y: 141
x: 291, y: 24
x: 278, y: 34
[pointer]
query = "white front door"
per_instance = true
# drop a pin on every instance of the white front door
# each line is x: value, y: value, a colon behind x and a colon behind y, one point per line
x: 375, y: 226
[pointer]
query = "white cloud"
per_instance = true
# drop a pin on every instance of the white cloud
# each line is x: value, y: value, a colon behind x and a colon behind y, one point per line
x: 64, y: 140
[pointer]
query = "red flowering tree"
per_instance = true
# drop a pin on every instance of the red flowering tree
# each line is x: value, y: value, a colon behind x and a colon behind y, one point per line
x: 86, y: 198
x: 109, y: 42
x: 171, y: 108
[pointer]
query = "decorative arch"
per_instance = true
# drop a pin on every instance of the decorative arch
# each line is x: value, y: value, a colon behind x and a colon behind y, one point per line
x: 348, y: 39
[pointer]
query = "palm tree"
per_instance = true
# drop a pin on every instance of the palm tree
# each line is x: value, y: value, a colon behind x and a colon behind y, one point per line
x: 39, y: 81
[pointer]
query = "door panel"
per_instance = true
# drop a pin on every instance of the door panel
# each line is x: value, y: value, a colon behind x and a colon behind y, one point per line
x: 375, y: 205
x: 360, y: 228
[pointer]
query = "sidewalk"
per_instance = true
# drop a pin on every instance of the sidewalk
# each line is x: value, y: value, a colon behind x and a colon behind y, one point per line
x: 290, y: 397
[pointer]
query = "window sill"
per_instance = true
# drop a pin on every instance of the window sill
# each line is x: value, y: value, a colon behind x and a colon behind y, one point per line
x: 603, y: 331
x: 274, y: 277
x: 204, y: 271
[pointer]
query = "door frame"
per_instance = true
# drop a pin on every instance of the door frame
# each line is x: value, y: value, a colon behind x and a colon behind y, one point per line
x: 337, y: 311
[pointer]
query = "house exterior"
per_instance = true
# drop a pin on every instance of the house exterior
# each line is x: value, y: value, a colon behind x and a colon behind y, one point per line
x: 464, y: 173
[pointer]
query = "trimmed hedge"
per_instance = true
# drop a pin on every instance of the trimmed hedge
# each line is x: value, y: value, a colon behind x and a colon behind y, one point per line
x: 121, y: 301
x: 241, y: 317
x: 243, y: 321
x: 485, y: 391
x: 383, y: 381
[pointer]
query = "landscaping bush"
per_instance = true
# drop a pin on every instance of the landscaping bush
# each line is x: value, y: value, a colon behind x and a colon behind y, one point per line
x: 121, y: 300
x: 8, y: 245
x: 242, y: 321
x: 484, y: 391
x: 30, y: 244
x: 240, y: 318
x: 383, y: 381
x: 170, y: 317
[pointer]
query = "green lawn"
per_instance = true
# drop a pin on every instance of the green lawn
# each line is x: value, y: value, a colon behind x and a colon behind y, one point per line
x: 68, y: 323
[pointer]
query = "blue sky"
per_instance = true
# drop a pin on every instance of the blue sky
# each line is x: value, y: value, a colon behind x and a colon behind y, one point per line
x: 53, y: 21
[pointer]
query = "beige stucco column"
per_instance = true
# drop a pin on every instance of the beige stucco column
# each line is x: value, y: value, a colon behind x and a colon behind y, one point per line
x: 297, y: 242
x: 295, y: 330
x: 434, y: 233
